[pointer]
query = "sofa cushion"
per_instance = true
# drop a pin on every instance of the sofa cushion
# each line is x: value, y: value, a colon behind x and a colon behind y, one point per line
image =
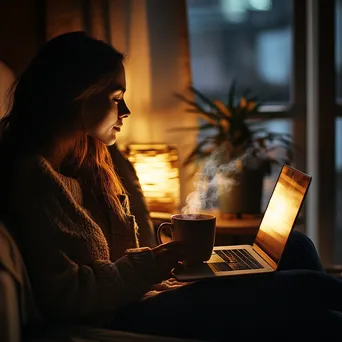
x: 12, y: 262
x: 9, y: 310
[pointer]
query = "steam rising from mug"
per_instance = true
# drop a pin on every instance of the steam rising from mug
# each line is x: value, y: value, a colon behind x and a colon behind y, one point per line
x: 211, y: 182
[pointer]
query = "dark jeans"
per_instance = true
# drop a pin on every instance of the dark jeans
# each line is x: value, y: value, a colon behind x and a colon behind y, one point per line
x: 298, y: 302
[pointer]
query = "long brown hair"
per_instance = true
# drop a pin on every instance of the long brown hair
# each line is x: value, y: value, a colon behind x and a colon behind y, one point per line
x: 47, y: 105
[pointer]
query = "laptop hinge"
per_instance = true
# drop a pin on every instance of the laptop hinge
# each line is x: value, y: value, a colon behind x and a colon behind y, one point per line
x: 264, y: 256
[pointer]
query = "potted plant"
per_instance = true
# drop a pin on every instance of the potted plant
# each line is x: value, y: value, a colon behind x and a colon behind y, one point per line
x: 235, y: 151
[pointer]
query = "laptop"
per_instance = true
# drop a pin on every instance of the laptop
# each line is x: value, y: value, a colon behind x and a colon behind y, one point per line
x: 276, y: 225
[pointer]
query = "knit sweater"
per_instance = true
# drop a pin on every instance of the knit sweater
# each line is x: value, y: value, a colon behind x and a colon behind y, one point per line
x: 79, y: 271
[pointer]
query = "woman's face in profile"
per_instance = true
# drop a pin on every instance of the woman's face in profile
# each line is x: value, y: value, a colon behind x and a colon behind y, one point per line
x: 104, y: 112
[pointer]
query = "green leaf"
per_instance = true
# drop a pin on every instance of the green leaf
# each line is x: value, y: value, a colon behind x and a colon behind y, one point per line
x: 199, y: 109
x: 243, y: 133
x: 231, y: 95
x: 207, y: 101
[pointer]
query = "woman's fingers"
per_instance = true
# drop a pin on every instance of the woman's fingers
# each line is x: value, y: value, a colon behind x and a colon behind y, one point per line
x: 168, y: 255
x: 173, y: 246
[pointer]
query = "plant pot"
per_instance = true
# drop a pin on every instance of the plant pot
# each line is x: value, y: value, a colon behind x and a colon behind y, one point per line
x: 244, y: 195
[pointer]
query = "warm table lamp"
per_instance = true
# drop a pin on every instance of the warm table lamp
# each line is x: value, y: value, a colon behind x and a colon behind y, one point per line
x: 157, y: 169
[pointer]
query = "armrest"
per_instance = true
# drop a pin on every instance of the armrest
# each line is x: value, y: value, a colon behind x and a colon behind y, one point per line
x: 9, y: 311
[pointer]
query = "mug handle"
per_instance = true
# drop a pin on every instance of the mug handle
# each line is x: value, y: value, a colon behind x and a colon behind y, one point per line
x: 160, y: 229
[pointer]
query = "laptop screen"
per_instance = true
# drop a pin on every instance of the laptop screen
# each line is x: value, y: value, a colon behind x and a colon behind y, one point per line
x: 281, y: 212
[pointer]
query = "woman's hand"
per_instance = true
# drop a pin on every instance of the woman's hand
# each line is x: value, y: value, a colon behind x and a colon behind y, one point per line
x: 167, y: 256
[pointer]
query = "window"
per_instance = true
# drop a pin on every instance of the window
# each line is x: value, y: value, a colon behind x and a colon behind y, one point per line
x: 249, y: 41
x: 244, y: 40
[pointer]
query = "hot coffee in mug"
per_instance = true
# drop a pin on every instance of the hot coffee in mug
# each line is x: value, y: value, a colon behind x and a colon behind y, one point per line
x: 195, y: 231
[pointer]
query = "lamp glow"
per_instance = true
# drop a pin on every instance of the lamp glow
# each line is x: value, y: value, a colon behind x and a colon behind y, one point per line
x: 156, y: 166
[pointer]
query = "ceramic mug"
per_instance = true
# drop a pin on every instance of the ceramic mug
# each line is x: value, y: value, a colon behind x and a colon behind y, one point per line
x: 195, y: 231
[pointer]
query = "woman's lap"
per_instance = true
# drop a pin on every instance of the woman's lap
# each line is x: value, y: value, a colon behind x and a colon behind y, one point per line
x: 284, y: 299
x: 241, y: 305
x: 300, y: 253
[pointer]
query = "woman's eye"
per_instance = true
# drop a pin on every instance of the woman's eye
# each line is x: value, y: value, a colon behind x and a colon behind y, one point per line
x: 117, y: 101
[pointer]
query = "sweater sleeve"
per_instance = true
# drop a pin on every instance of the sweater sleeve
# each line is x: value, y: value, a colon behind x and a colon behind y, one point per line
x: 66, y: 253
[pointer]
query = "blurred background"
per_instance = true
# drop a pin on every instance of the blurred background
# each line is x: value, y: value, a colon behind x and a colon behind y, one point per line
x: 286, y: 52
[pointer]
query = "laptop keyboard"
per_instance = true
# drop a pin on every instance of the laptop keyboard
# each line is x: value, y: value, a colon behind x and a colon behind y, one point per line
x: 238, y: 259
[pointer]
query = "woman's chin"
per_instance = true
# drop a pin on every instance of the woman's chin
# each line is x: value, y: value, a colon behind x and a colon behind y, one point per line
x: 108, y: 141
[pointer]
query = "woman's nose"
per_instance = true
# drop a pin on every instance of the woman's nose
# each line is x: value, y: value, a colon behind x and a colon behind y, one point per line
x: 124, y: 112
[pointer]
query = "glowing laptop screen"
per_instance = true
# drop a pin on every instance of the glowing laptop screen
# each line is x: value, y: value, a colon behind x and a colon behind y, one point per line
x: 282, y: 210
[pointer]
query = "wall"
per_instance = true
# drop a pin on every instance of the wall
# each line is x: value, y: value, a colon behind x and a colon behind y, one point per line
x: 20, y: 33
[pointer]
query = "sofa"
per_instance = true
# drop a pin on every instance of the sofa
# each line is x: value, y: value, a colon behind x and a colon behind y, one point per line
x: 17, y: 306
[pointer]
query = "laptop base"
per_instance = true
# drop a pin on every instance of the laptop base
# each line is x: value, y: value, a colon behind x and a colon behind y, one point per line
x: 217, y: 267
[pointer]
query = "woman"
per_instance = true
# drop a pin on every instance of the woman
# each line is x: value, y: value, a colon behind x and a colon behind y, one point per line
x: 64, y: 199
x: 70, y: 215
